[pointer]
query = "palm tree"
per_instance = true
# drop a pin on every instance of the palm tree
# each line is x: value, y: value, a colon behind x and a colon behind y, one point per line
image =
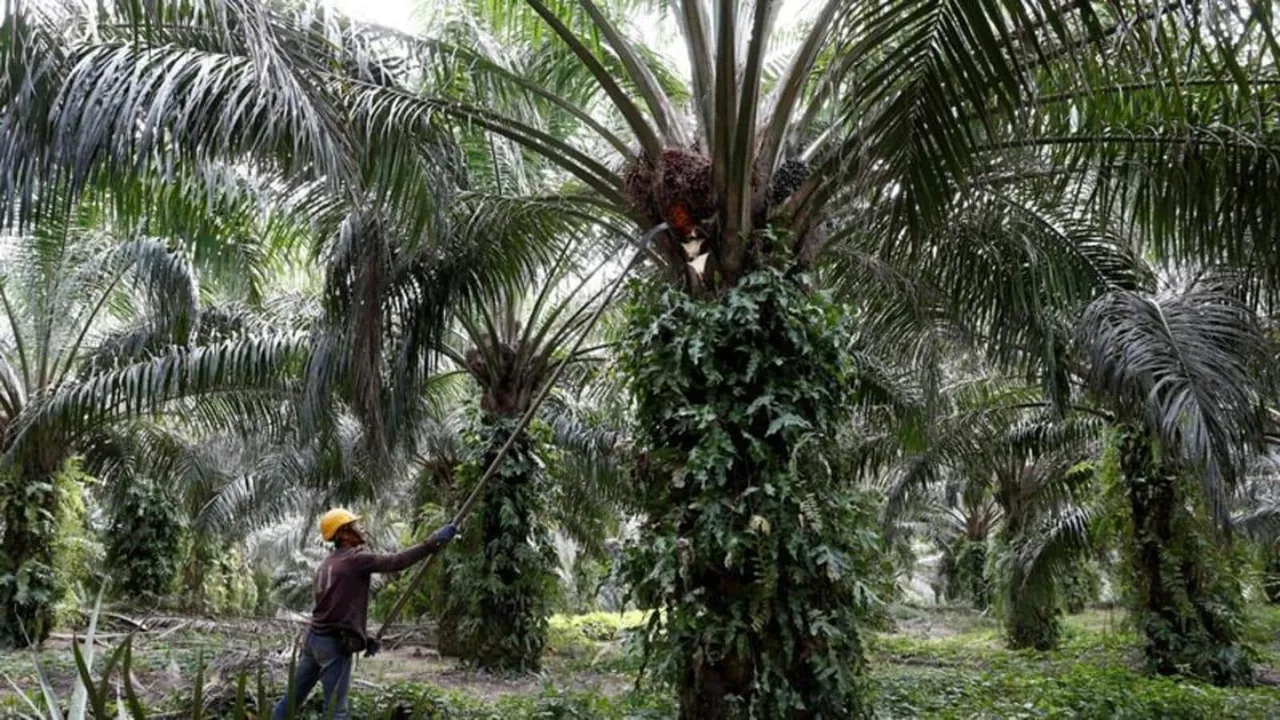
x: 890, y: 118
x: 498, y: 588
x: 1256, y: 515
x: 996, y: 444
x: 97, y: 328
x: 962, y: 524
x: 1184, y: 375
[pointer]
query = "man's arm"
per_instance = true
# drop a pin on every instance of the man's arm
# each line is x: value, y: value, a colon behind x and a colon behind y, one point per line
x: 395, y: 562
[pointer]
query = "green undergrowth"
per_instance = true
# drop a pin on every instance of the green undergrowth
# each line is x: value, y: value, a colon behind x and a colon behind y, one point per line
x: 938, y: 663
x: 1096, y: 673
x: 426, y: 702
x: 597, y: 641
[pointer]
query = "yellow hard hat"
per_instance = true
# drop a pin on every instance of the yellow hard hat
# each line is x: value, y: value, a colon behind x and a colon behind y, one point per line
x: 333, y: 520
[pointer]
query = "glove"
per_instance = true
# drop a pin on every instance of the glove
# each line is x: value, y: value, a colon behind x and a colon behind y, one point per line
x: 371, y: 647
x: 444, y: 534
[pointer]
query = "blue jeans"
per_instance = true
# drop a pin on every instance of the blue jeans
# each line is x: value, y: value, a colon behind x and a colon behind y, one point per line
x: 321, y: 661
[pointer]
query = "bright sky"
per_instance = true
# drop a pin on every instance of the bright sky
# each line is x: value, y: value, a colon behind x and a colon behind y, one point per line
x: 399, y: 14
x: 392, y: 13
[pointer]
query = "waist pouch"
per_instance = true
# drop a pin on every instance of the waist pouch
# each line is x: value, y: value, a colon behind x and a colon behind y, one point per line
x: 349, y: 643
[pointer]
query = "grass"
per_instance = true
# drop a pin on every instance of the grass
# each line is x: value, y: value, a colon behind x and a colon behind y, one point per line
x: 1096, y: 674
x: 937, y: 663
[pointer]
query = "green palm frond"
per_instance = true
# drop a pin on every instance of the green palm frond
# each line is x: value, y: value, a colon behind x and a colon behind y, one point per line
x: 230, y: 82
x: 144, y: 387
x: 1057, y: 543
x: 1189, y: 366
x: 487, y: 245
x: 1006, y: 276
x: 75, y: 296
x: 34, y: 55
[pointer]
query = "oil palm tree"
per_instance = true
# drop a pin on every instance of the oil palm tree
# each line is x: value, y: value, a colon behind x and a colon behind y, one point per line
x: 993, y: 440
x: 1256, y: 515
x: 961, y: 525
x: 500, y: 585
x: 889, y: 118
x: 1184, y: 376
x: 97, y: 328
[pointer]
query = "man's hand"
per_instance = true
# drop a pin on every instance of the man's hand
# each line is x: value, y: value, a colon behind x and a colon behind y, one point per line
x: 444, y: 534
x: 371, y: 647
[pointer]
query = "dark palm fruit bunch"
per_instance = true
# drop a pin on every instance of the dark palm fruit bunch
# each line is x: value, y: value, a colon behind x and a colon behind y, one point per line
x: 480, y: 368
x: 637, y: 180
x: 476, y: 364
x: 684, y: 178
x: 678, y: 190
x: 788, y: 178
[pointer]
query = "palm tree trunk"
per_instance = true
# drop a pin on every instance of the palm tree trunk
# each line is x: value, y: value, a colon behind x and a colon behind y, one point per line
x: 1032, y: 616
x: 28, y: 588
x: 1033, y: 620
x: 1187, y: 610
x: 972, y: 567
x: 735, y: 397
x: 1271, y: 576
x: 501, y: 579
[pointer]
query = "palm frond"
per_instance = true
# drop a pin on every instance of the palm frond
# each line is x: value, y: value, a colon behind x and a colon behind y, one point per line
x: 1189, y: 366
x: 144, y: 387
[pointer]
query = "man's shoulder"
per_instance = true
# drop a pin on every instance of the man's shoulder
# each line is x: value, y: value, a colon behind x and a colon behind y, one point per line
x: 348, y: 556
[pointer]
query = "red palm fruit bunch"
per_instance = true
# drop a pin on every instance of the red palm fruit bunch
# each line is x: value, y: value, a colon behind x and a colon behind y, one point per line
x: 679, y: 190
x: 680, y: 219
x: 684, y: 180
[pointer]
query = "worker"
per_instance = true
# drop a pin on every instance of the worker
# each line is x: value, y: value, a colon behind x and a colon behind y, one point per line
x: 337, y: 628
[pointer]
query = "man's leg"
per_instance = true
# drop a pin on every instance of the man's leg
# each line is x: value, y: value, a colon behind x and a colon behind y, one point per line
x: 304, y: 678
x: 336, y: 679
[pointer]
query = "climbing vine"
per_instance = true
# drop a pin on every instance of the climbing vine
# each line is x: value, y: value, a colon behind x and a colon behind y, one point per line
x: 498, y: 587
x: 77, y: 553
x: 28, y: 582
x: 964, y: 567
x: 758, y: 557
x: 1187, y: 600
x: 142, y: 540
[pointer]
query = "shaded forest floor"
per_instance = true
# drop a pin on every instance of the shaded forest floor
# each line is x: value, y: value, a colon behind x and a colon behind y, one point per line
x: 936, y: 663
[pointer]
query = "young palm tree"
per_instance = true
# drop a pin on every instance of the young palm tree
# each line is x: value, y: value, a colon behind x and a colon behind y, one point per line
x: 1185, y: 377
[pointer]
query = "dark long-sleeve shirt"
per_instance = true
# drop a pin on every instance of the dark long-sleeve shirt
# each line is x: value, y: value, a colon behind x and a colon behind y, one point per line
x: 342, y: 585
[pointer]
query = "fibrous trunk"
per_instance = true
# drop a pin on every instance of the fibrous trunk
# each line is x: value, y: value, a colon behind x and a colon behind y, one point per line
x: 501, y: 579
x: 142, y: 540
x: 1271, y: 576
x: 1187, y: 608
x: 968, y: 580
x: 752, y: 551
x: 1032, y: 614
